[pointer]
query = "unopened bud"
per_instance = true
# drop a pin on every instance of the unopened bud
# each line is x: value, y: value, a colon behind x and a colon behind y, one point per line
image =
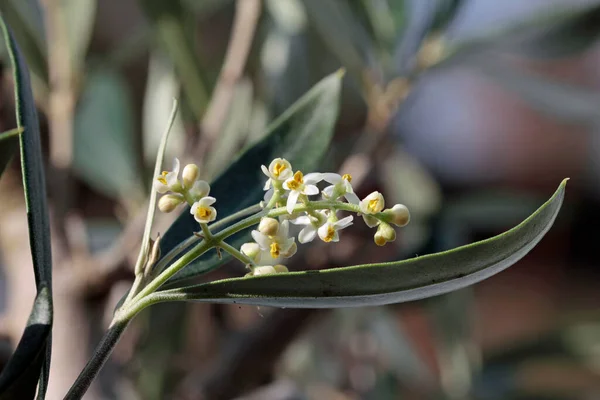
x: 291, y: 251
x: 281, y: 268
x: 398, y: 215
x: 385, y: 233
x: 264, y: 270
x: 169, y: 202
x: 268, y: 226
x: 251, y: 250
x: 190, y: 175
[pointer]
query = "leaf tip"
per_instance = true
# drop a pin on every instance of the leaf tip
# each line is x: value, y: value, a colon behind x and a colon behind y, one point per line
x: 564, y: 182
x: 340, y: 73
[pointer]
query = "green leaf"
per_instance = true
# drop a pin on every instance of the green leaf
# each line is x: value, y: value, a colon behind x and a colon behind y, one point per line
x: 301, y: 135
x: 104, y: 148
x: 31, y: 361
x: 385, y: 283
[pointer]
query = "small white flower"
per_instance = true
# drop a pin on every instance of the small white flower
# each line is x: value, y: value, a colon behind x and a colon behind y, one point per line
x: 301, y: 184
x: 311, y: 224
x: 372, y: 204
x: 202, y: 210
x: 279, y: 245
x: 329, y: 231
x: 199, y: 190
x: 168, y: 180
x: 279, y: 170
x: 340, y: 186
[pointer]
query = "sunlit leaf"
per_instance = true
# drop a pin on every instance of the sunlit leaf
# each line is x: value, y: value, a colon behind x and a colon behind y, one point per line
x: 377, y: 284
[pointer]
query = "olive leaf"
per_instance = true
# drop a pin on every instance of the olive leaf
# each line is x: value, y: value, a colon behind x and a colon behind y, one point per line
x: 384, y: 283
x: 30, y: 363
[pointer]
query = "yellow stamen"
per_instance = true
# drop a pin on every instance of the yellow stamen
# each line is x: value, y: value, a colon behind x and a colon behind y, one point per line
x: 372, y: 206
x: 330, y: 234
x: 347, y: 177
x: 275, y: 249
x: 203, y: 212
x: 162, y: 177
x: 278, y: 168
x: 297, y: 181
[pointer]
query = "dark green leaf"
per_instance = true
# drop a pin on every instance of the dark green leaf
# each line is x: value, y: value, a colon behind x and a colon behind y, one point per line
x: 301, y: 135
x: 376, y: 284
x: 104, y: 148
x: 31, y: 361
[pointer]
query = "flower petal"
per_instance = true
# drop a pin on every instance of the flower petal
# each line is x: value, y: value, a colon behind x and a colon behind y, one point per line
x: 284, y: 229
x: 328, y: 191
x: 311, y: 189
x: 176, y: 166
x: 263, y: 240
x: 313, y: 177
x: 332, y: 177
x: 160, y: 187
x: 307, y: 234
x: 301, y: 220
x: 352, y: 198
x: 267, y: 185
x: 200, y: 189
x: 292, y: 200
x: 268, y: 195
x: 344, y: 222
x: 265, y: 171
x: 207, y: 201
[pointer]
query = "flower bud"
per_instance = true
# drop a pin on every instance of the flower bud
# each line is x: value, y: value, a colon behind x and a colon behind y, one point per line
x: 190, y: 175
x: 281, y: 268
x: 199, y: 190
x: 264, y: 270
x: 385, y: 233
x: 268, y: 226
x: 169, y: 202
x: 291, y: 251
x: 398, y: 215
x: 251, y: 250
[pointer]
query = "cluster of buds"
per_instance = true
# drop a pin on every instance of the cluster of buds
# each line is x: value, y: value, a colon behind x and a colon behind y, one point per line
x: 189, y: 189
x: 286, y: 187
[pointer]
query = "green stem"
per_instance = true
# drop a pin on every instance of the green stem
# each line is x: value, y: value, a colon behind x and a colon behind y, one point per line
x: 103, y: 351
x: 207, y: 233
x: 236, y: 253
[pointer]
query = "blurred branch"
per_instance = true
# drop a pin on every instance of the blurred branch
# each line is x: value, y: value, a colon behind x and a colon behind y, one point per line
x: 242, y: 35
x: 249, y: 360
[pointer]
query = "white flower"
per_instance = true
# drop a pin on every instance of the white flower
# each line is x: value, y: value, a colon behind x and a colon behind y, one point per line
x: 168, y: 180
x: 199, y: 190
x: 279, y: 170
x: 301, y: 184
x: 372, y: 204
x: 329, y: 231
x: 202, y: 210
x: 311, y: 224
x: 278, y: 245
x: 340, y: 186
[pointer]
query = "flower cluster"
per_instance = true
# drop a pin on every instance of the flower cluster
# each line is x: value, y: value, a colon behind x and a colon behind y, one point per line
x: 286, y: 187
x: 188, y: 189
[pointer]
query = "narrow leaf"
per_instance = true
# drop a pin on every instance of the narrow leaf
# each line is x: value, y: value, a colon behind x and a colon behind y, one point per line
x: 385, y: 283
x: 31, y: 361
x: 301, y: 135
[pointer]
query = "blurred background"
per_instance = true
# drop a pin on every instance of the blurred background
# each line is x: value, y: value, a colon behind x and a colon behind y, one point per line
x: 470, y: 112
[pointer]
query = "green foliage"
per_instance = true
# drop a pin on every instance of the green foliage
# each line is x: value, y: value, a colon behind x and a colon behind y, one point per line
x: 31, y: 360
x: 104, y: 148
x: 385, y: 283
x: 301, y: 135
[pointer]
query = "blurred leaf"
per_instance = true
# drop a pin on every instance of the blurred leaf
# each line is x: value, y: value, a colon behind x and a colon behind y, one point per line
x: 301, y: 135
x: 104, y: 149
x: 385, y: 283
x: 79, y: 17
x: 422, y: 18
x: 341, y: 32
x: 557, y: 34
x: 556, y: 99
x: 31, y: 361
x: 161, y: 88
x: 168, y: 20
x: 26, y: 19
x: 9, y: 143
